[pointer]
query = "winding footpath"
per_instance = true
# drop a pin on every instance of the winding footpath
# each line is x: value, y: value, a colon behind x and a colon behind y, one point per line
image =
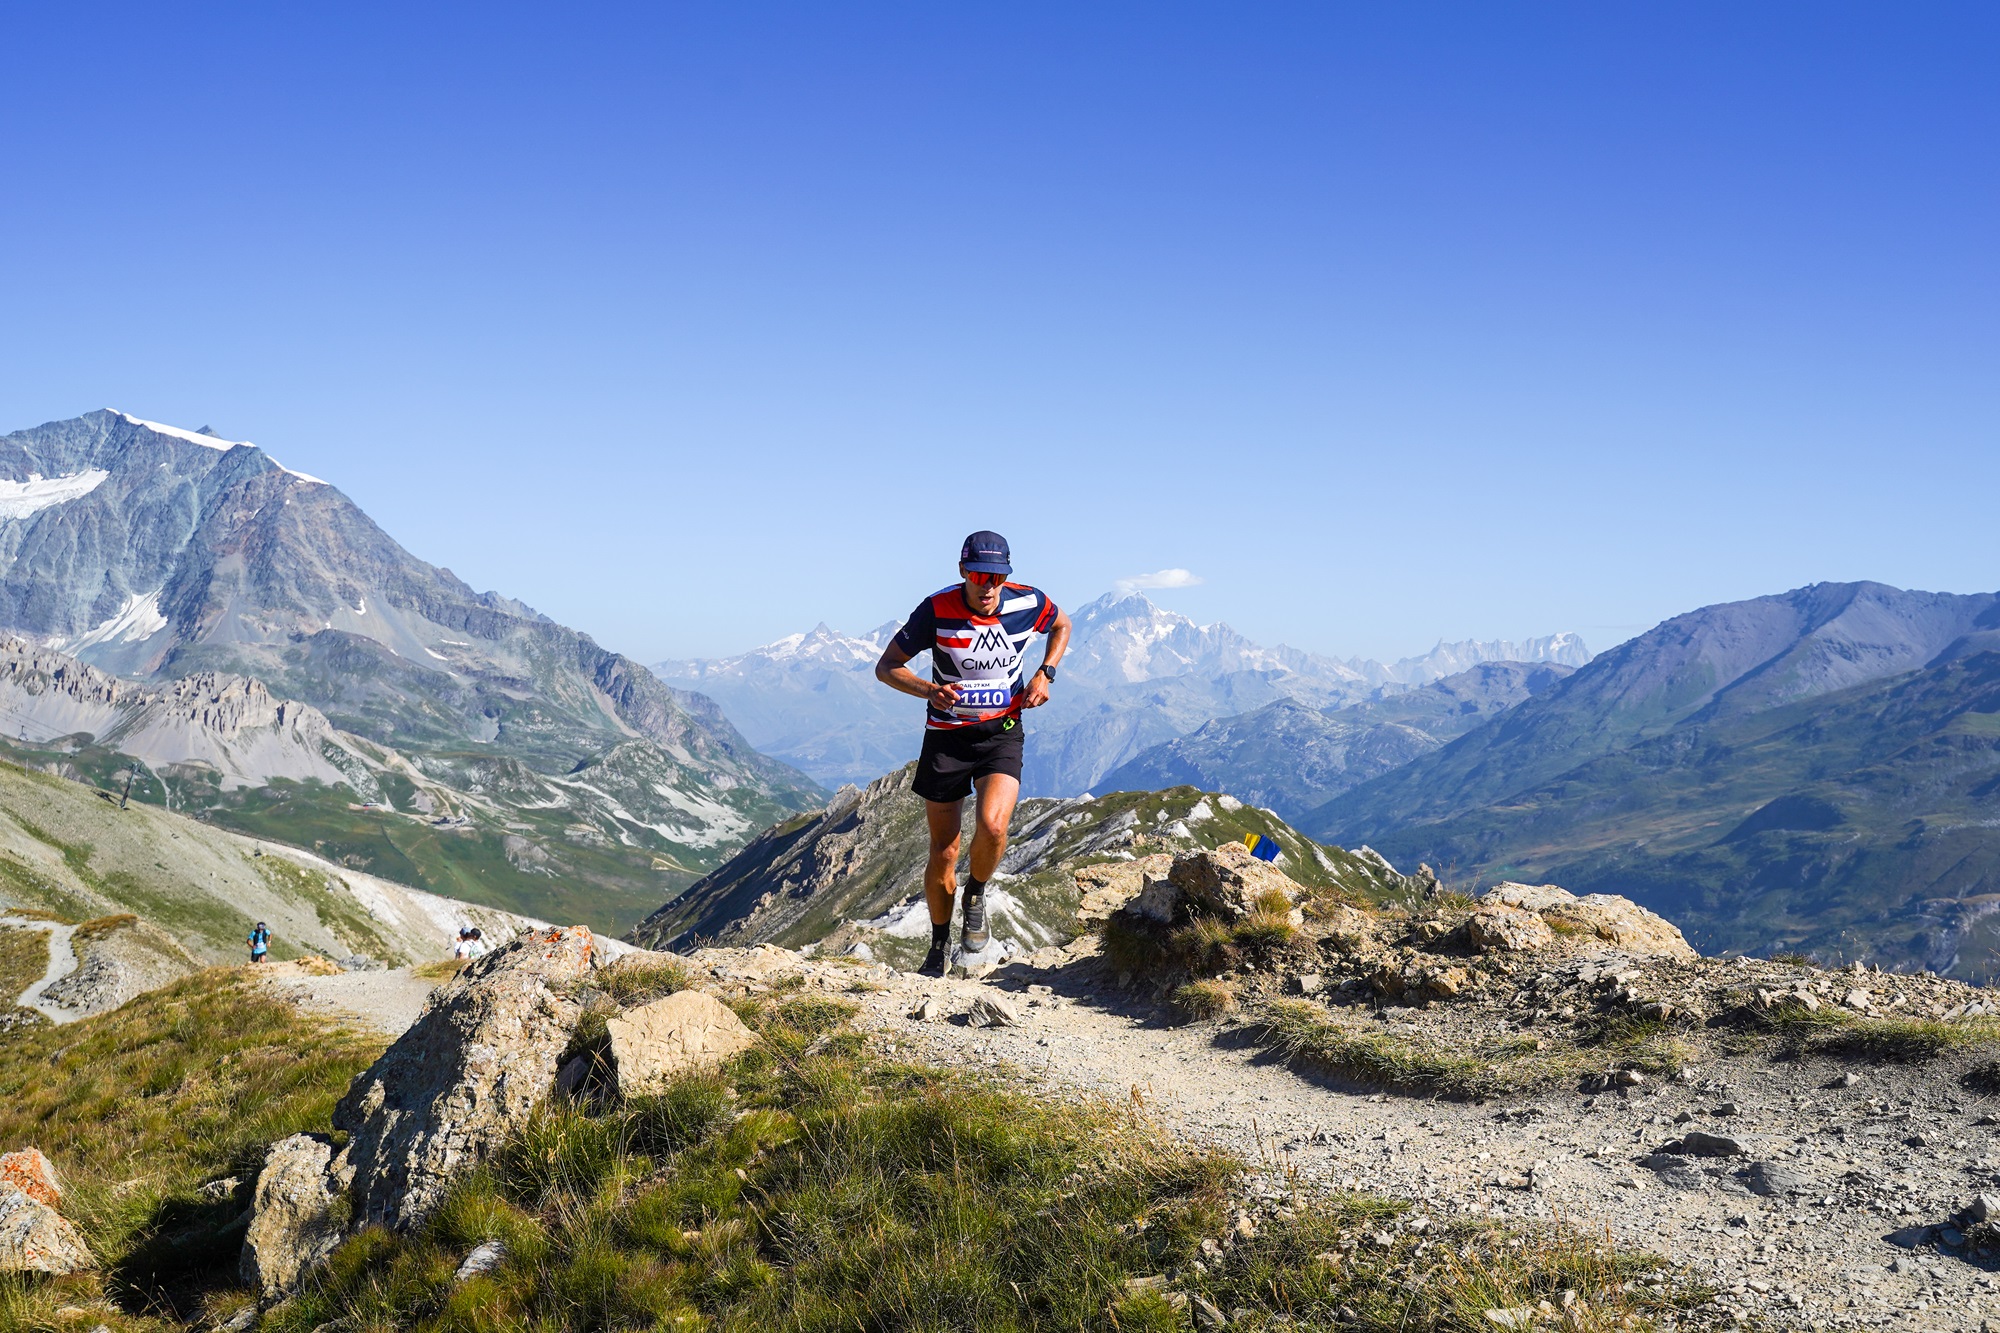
x: 62, y: 962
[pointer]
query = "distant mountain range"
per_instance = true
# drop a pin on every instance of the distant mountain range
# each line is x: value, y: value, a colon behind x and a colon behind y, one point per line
x: 1292, y: 758
x: 513, y: 760
x: 1817, y: 770
x: 1137, y: 675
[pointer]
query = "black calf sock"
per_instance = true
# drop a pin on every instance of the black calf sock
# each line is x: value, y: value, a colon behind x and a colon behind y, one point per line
x: 940, y: 935
x: 974, y: 887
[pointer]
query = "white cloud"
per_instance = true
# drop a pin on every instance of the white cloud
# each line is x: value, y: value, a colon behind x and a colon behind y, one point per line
x: 1159, y: 578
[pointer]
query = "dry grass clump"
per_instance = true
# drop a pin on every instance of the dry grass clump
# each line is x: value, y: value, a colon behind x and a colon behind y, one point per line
x: 1836, y: 1032
x: 1204, y: 1000
x: 638, y: 979
x: 442, y: 969
x: 99, y: 927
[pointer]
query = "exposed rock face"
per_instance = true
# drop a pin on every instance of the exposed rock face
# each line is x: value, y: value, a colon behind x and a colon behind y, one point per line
x: 1228, y: 882
x: 1498, y: 928
x: 467, y: 1074
x: 35, y: 1238
x: 1103, y: 889
x: 298, y: 1217
x: 1615, y: 920
x: 30, y: 1173
x: 686, y: 1030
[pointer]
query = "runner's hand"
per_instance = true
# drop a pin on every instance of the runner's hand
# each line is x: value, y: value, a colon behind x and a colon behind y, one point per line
x: 944, y: 696
x: 1037, y: 692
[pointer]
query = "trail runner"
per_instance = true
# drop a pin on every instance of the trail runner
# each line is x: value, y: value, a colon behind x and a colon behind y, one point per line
x: 259, y: 941
x: 976, y: 632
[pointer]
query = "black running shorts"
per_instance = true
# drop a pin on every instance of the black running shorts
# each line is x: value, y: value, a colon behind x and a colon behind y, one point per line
x: 953, y: 760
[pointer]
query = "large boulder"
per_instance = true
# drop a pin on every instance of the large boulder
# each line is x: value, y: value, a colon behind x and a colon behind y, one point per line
x: 687, y: 1030
x: 467, y: 1074
x: 1615, y: 920
x: 1227, y: 883
x: 35, y: 1238
x: 298, y: 1216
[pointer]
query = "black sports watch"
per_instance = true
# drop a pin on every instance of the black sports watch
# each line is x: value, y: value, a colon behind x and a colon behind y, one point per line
x: 1046, y: 670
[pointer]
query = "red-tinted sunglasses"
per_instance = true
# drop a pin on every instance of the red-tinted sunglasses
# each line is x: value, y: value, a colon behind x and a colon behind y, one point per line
x: 985, y: 580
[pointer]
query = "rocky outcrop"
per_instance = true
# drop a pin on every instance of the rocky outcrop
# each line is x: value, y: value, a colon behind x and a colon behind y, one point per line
x: 34, y: 1237
x: 687, y: 1030
x: 469, y: 1072
x: 1231, y: 883
x: 1498, y: 928
x: 299, y: 1215
x: 1616, y: 921
x: 1103, y: 889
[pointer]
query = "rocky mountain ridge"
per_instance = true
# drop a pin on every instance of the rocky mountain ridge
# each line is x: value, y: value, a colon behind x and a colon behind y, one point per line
x: 848, y: 878
x: 1293, y: 758
x: 163, y: 554
x: 1812, y: 770
x: 1137, y: 675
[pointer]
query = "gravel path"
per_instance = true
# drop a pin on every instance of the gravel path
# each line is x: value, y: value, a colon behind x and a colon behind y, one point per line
x: 387, y: 1001
x: 62, y: 962
x: 1877, y: 1165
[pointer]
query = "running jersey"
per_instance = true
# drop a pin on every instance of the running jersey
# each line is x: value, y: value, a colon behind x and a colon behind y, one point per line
x: 977, y: 651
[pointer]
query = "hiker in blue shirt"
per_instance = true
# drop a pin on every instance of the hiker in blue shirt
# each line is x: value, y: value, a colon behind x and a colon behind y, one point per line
x: 260, y: 942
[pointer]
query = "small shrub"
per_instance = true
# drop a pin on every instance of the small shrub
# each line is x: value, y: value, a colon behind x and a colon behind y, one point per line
x: 1273, y: 901
x: 1203, y: 1000
x: 1264, y: 932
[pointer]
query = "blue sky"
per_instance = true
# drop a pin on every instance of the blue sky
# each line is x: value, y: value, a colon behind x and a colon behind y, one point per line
x: 693, y: 325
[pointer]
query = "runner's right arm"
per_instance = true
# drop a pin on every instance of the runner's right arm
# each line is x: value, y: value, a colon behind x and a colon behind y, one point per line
x: 919, y: 632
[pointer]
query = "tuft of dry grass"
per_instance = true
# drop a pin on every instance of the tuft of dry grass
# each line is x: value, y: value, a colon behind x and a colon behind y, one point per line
x: 1204, y: 1000
x: 441, y: 969
x: 99, y: 927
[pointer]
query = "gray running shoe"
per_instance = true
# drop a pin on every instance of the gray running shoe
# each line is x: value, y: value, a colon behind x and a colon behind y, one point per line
x: 973, y: 935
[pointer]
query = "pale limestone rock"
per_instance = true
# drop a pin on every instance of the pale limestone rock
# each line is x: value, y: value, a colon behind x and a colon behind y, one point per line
x: 687, y: 1030
x: 1103, y: 889
x: 466, y: 1076
x: 30, y: 1173
x: 992, y: 1011
x: 35, y: 1238
x: 1615, y: 920
x: 1499, y: 928
x: 297, y: 1219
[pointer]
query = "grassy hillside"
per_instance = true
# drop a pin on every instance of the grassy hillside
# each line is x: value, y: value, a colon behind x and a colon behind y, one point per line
x: 67, y: 850
x: 1855, y: 824
x: 138, y: 1109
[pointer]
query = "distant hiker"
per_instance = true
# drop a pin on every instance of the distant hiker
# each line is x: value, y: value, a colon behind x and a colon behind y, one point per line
x: 259, y: 941
x: 464, y: 949
x: 476, y: 946
x: 975, y: 632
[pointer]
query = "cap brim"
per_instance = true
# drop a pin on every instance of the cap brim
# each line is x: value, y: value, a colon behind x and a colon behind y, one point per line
x: 986, y: 567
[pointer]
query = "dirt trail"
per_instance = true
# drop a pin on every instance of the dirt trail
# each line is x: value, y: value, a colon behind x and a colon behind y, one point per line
x: 62, y: 962
x: 387, y: 1001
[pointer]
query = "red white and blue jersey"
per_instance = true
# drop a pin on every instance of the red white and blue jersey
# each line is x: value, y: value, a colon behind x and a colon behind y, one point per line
x: 980, y: 654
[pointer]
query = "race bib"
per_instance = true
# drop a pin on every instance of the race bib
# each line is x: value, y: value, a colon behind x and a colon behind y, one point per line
x: 977, y: 697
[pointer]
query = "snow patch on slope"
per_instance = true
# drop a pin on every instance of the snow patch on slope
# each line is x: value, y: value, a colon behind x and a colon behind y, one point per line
x: 214, y: 442
x: 138, y: 619
x: 18, y: 499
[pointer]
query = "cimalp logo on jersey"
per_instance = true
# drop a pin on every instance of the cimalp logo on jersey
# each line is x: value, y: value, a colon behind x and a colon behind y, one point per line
x: 992, y: 639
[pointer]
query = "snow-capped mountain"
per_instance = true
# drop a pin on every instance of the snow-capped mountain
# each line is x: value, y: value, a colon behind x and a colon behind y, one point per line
x: 158, y: 554
x: 1136, y: 675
